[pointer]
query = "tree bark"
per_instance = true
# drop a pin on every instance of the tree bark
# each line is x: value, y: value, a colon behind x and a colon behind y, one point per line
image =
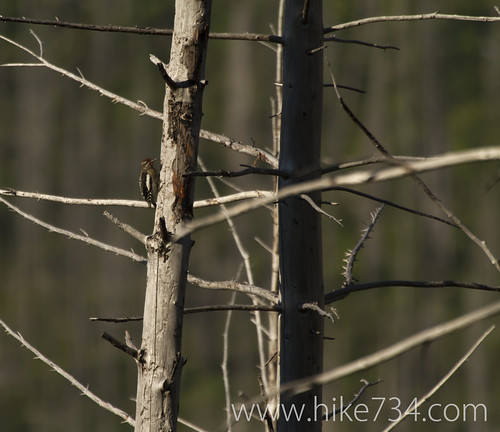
x: 160, y: 362
x: 301, y: 344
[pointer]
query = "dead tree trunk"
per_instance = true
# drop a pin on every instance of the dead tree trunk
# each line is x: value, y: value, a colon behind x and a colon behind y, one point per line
x: 301, y: 345
x: 160, y: 363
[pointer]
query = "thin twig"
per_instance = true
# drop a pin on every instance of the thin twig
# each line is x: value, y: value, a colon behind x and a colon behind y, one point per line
x: 419, y: 17
x: 120, y: 345
x: 238, y: 146
x: 441, y: 382
x: 346, y: 290
x: 356, y: 398
x: 316, y: 207
x: 127, y: 228
x: 262, y: 243
x: 314, y: 307
x: 228, y: 199
x: 397, y: 206
x: 350, y: 258
x: 241, y: 173
x: 495, y: 178
x: 224, y: 365
x: 374, y: 160
x: 84, y: 389
x: 71, y: 235
x: 359, y: 42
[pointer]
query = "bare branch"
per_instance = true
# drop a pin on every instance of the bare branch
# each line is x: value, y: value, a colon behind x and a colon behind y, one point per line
x: 246, y: 171
x: 345, y: 87
x: 351, y: 255
x: 131, y: 203
x: 352, y: 179
x: 84, y: 389
x: 121, y: 346
x: 252, y: 36
x: 441, y: 382
x: 116, y: 320
x: 233, y: 307
x: 73, y: 201
x: 392, y: 351
x: 234, y: 286
x: 240, y: 147
x: 140, y: 106
x: 420, y: 17
x: 198, y: 309
x: 85, y: 239
x: 139, y: 30
x: 343, y: 292
x: 40, y: 44
x: 127, y: 228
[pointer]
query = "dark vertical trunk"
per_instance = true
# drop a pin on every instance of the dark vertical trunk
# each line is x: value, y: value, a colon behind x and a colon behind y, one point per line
x: 301, y: 350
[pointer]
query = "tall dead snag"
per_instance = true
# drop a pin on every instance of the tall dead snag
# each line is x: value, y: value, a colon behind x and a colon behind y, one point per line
x: 301, y: 345
x: 160, y: 362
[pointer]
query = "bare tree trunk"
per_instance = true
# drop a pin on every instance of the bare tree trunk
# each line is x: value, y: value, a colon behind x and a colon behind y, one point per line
x: 301, y: 350
x: 160, y: 363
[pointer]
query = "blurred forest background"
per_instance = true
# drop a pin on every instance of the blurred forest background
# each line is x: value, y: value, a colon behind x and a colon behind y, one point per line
x: 440, y: 92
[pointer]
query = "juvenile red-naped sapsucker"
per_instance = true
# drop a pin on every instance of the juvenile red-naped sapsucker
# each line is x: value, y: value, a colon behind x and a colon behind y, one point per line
x: 148, y: 181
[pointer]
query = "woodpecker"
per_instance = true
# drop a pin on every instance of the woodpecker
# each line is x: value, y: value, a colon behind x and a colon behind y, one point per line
x: 148, y: 181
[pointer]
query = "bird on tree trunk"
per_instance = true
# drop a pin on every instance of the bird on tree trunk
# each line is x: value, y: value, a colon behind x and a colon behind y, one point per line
x: 148, y: 181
